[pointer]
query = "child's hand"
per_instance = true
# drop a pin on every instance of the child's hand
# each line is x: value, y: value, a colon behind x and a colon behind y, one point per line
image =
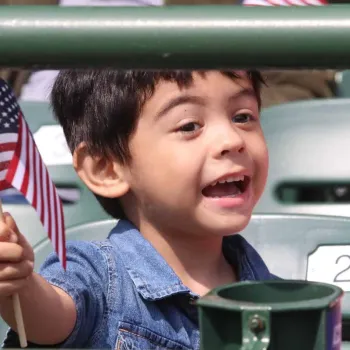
x: 16, y: 258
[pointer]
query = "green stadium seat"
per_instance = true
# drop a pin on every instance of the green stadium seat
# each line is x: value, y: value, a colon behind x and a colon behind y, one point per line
x: 79, y: 204
x: 309, y: 169
x: 303, y: 247
x: 343, y: 84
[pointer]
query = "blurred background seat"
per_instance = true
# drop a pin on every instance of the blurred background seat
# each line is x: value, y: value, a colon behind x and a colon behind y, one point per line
x: 343, y: 83
x: 309, y: 146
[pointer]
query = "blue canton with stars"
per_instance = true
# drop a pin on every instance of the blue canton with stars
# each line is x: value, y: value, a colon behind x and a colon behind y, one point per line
x: 9, y: 110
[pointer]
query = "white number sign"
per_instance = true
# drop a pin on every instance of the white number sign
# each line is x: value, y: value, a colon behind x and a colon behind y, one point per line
x: 330, y: 264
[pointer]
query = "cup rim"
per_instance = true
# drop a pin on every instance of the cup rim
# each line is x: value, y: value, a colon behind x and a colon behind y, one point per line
x: 213, y: 299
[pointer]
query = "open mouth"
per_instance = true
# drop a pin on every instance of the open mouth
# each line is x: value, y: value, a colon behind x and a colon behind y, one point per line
x: 227, y: 188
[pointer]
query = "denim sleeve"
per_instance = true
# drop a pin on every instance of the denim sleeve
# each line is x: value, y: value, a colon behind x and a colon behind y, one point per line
x: 86, y: 281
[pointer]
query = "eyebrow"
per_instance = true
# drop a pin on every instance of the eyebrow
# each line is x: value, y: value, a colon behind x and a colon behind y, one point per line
x: 180, y: 100
x: 249, y: 92
x: 197, y: 100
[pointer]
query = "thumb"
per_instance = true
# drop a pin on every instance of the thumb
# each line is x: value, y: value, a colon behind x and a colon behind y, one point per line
x: 17, y: 237
x: 11, y: 224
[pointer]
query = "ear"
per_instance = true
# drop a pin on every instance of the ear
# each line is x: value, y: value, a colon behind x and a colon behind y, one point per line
x: 104, y: 177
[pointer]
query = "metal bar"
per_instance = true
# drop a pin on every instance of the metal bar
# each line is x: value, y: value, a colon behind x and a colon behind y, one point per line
x: 191, y: 37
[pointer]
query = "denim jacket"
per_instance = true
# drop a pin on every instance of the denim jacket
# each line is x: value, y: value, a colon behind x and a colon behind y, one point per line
x: 127, y: 297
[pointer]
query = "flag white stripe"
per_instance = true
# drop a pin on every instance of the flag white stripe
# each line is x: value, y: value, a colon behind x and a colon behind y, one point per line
x: 20, y: 171
x: 315, y: 3
x: 8, y: 138
x: 3, y: 174
x: 279, y: 2
x: 6, y: 156
x: 297, y: 2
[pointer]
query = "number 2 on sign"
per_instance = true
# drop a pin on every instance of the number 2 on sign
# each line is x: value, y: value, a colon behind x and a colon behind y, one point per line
x: 340, y: 276
x: 330, y: 264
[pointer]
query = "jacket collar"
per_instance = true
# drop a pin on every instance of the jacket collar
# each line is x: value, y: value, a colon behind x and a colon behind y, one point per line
x: 155, y: 279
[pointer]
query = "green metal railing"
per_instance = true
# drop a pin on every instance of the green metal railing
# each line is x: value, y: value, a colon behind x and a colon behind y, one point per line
x: 175, y: 37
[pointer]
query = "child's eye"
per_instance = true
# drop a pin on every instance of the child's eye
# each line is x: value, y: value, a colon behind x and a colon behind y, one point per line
x: 242, y: 118
x: 189, y: 127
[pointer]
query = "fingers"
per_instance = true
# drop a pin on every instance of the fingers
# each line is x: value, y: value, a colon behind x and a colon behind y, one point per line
x: 11, y: 252
x: 28, y: 249
x: 9, y: 233
x: 16, y: 271
x: 8, y: 229
x: 8, y: 288
x: 16, y: 257
x: 10, y: 222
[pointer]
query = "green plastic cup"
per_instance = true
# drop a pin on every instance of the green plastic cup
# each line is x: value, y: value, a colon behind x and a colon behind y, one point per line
x: 274, y: 315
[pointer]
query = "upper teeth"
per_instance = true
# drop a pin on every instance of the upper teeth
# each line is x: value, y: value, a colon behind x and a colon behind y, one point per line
x: 229, y: 179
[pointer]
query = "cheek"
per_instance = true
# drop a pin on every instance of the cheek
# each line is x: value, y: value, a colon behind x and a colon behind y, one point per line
x: 162, y: 170
x: 162, y: 167
x: 261, y: 164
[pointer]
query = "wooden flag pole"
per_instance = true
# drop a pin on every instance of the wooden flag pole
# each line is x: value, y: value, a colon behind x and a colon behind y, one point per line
x: 17, y: 307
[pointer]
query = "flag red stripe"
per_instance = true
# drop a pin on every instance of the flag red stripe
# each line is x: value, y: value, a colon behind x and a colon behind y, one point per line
x: 4, y: 185
x: 4, y: 165
x: 5, y: 147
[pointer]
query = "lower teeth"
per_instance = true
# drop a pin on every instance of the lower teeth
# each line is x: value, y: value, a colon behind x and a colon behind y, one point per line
x: 229, y: 195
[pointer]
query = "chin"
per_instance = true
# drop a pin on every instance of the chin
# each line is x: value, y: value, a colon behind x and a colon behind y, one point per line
x: 227, y: 225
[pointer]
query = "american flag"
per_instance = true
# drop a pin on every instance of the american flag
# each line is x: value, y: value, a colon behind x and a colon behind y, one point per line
x: 284, y: 2
x: 22, y: 168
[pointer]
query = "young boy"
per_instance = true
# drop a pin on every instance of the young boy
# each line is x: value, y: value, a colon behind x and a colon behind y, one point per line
x: 181, y: 158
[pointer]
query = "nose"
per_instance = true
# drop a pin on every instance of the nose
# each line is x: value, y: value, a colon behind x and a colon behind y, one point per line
x: 228, y: 140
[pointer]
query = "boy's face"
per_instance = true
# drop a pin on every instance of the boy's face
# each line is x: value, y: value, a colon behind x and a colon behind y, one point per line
x: 189, y: 140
